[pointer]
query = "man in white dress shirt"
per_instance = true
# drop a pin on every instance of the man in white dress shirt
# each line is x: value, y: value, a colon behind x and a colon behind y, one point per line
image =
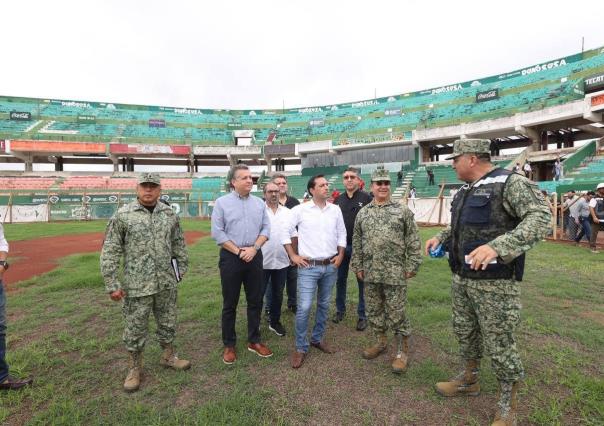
x: 275, y: 259
x: 321, y: 245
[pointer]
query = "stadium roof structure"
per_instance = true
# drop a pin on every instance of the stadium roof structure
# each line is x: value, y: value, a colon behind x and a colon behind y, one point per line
x: 512, y: 108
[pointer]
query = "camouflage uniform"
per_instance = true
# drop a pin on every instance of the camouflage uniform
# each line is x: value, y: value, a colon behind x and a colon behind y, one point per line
x: 148, y: 242
x: 487, y: 311
x: 385, y: 245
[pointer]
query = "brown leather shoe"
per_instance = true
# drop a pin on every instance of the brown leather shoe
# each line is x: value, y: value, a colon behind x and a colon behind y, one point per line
x: 229, y: 356
x: 298, y: 359
x: 12, y: 383
x: 323, y: 347
x: 259, y: 349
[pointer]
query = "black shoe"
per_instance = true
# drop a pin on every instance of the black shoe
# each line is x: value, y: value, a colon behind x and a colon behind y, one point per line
x: 12, y: 383
x: 277, y: 328
x: 361, y: 324
x: 293, y: 308
x: 339, y: 316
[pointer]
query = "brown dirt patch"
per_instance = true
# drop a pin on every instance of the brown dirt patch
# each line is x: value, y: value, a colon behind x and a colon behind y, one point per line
x: 594, y: 316
x: 35, y: 257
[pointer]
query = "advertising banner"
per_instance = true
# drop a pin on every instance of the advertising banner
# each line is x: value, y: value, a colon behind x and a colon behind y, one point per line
x: 289, y: 149
x: 389, y: 112
x: 20, y: 116
x: 32, y: 213
x: 234, y: 125
x: 86, y: 119
x: 58, y: 147
x: 316, y: 123
x: 594, y: 83
x: 157, y: 122
x: 487, y: 96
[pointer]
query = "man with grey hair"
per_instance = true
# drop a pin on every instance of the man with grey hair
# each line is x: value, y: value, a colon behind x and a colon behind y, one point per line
x: 240, y: 226
x: 276, y: 261
x: 289, y: 202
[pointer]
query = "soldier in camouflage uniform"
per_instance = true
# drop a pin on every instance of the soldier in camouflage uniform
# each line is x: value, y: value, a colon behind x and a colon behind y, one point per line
x: 147, y: 234
x: 495, y: 218
x: 386, y: 251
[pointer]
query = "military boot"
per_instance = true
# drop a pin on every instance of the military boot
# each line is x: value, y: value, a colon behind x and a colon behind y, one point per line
x: 508, y: 402
x: 464, y: 384
x: 133, y: 379
x: 380, y: 346
x: 399, y: 364
x: 170, y: 360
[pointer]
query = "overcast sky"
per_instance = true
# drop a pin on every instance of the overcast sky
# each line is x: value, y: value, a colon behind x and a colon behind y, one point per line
x: 259, y: 54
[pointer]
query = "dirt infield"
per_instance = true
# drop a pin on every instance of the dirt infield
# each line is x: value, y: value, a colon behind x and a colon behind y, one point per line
x: 29, y: 258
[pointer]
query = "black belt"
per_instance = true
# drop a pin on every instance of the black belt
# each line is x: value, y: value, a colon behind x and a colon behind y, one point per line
x: 318, y: 262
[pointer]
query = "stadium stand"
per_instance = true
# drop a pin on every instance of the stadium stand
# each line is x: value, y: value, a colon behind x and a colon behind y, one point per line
x: 535, y: 87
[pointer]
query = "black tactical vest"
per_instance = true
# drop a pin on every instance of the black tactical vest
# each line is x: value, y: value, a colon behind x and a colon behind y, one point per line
x: 477, y: 217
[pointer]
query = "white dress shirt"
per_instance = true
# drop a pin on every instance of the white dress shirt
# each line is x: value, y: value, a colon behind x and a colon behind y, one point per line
x: 320, y: 231
x: 3, y: 242
x: 273, y: 253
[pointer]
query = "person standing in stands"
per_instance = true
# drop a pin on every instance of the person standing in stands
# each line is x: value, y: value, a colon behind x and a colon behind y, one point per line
x: 321, y: 245
x: 430, y: 176
x: 240, y: 226
x: 386, y: 253
x: 350, y: 203
x: 275, y: 259
x: 7, y: 382
x: 596, y: 210
x: 495, y: 218
x: 148, y: 236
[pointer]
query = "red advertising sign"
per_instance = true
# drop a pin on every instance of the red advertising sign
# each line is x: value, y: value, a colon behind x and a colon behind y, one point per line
x: 597, y: 100
x: 134, y: 149
x: 57, y: 147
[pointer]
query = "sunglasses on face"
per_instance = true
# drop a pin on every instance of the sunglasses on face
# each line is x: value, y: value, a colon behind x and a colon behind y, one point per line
x: 382, y: 183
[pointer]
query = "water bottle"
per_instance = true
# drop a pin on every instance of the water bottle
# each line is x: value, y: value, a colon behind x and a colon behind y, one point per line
x: 439, y: 251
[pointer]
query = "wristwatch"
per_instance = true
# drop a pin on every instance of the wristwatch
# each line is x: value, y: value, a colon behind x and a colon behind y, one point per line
x: 4, y: 264
x: 257, y: 247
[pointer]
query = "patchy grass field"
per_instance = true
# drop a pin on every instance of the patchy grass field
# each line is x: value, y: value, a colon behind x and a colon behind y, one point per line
x: 64, y: 330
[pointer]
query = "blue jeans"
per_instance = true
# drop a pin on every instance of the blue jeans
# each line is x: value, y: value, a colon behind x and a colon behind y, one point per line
x: 585, y: 229
x: 3, y: 364
x: 341, y: 286
x: 319, y: 279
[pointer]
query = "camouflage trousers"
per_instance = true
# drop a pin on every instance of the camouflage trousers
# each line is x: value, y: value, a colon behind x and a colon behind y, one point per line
x: 485, y: 316
x: 136, y: 315
x: 385, y: 306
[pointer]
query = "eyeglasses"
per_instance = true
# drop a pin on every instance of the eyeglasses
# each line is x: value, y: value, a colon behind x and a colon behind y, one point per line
x: 349, y: 177
x: 274, y: 191
x: 382, y: 183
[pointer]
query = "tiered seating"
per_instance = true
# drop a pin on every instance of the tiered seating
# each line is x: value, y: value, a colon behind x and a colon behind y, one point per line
x: 518, y: 92
x: 184, y: 184
x: 122, y: 183
x: 25, y: 183
x: 84, y: 182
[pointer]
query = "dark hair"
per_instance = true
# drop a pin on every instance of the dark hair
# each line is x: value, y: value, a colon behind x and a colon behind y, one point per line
x: 277, y: 176
x: 352, y: 169
x: 592, y: 193
x: 311, y: 182
x: 234, y: 169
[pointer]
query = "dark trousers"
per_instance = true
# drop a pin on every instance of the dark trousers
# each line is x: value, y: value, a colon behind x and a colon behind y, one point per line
x: 595, y: 228
x: 275, y: 280
x: 291, y: 286
x: 3, y: 364
x: 342, y: 283
x: 585, y: 224
x: 233, y: 273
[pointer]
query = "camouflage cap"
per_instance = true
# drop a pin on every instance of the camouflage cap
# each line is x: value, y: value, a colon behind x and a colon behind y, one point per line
x: 380, y: 174
x: 149, y: 178
x: 470, y: 146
